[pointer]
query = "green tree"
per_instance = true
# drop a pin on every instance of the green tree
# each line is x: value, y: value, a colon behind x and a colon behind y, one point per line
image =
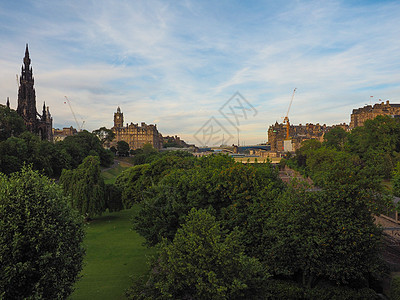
x: 325, y: 235
x: 86, y: 187
x: 336, y: 138
x: 202, y: 262
x: 123, y: 148
x: 84, y: 144
x: 41, y: 249
x: 11, y: 124
x: 211, y: 186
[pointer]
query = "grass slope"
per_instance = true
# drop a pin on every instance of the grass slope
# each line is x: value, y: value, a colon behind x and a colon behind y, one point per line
x: 113, y: 253
x: 110, y: 174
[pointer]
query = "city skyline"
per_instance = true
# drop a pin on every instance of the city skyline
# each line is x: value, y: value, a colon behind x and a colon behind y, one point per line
x: 177, y: 65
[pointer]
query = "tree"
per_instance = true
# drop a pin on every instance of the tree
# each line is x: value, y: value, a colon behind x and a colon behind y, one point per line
x: 86, y: 187
x: 105, y: 135
x: 214, y: 185
x: 123, y: 148
x: 202, y: 262
x: 325, y: 235
x: 41, y: 249
x: 336, y: 138
x: 11, y: 124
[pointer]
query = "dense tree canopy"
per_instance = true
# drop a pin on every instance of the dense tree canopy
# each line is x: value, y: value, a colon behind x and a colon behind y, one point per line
x: 202, y: 262
x: 47, y: 157
x: 40, y: 238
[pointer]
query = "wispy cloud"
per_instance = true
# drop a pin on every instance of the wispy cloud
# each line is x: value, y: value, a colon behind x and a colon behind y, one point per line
x: 175, y: 64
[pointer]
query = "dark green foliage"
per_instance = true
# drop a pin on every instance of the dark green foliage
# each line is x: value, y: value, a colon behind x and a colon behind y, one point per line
x: 203, y: 262
x: 135, y: 181
x: 123, y: 148
x: 395, y: 288
x: 132, y: 183
x: 48, y: 157
x: 112, y: 198
x: 86, y: 187
x: 329, y: 234
x: 80, y: 146
x: 286, y: 290
x: 40, y: 238
x: 336, y: 138
x: 11, y: 124
x: 217, y: 182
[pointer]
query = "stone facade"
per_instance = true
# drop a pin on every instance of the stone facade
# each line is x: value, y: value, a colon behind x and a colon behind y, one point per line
x: 60, y: 135
x: 297, y: 134
x: 38, y: 124
x: 368, y: 112
x: 136, y: 136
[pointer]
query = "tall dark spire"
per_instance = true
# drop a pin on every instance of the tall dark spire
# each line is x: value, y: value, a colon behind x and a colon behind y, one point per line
x: 8, y: 102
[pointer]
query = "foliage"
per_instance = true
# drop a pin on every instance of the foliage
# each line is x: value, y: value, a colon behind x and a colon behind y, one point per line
x: 84, y: 144
x: 48, y: 157
x: 41, y: 238
x: 203, y: 263
x: 113, y: 200
x: 217, y: 183
x: 339, y: 240
x: 336, y: 138
x: 135, y: 181
x: 395, y: 288
x: 123, y: 148
x: 105, y: 135
x: 86, y: 187
x: 132, y: 182
x: 11, y: 124
x: 286, y: 289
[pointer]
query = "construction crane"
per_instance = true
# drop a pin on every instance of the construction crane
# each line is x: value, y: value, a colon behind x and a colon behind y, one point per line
x: 76, y: 120
x: 286, y: 119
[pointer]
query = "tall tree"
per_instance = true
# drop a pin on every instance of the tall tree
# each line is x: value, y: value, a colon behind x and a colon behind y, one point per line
x: 86, y: 187
x: 41, y: 249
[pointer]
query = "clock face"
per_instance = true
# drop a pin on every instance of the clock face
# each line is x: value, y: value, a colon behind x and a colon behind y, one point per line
x: 117, y: 117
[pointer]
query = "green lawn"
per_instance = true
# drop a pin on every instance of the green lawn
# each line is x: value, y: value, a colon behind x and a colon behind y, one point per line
x: 113, y: 253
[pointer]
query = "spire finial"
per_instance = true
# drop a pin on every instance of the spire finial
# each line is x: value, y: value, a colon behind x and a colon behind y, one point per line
x: 27, y: 60
x: 8, y: 102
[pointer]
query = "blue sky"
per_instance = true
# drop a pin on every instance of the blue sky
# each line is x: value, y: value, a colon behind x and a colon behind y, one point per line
x: 176, y: 63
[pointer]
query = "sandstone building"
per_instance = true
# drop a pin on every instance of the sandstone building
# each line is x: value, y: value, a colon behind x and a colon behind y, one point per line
x: 297, y: 134
x: 61, y: 134
x: 39, y: 124
x: 368, y: 112
x: 136, y: 136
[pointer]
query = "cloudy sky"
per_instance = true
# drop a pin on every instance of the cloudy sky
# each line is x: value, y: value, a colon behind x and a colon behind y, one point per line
x: 178, y: 63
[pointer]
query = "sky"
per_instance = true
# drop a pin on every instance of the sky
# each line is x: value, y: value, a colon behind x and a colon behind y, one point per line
x: 198, y: 67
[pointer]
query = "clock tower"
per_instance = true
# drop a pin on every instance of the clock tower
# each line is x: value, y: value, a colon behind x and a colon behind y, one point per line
x: 118, y: 118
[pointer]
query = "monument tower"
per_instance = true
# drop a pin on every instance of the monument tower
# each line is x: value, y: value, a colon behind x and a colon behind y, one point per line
x: 34, y: 122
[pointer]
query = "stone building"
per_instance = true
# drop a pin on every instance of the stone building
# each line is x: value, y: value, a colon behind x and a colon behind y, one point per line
x: 368, y: 112
x: 174, y: 141
x: 136, y: 136
x: 38, y: 124
x: 297, y: 134
x: 61, y: 134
